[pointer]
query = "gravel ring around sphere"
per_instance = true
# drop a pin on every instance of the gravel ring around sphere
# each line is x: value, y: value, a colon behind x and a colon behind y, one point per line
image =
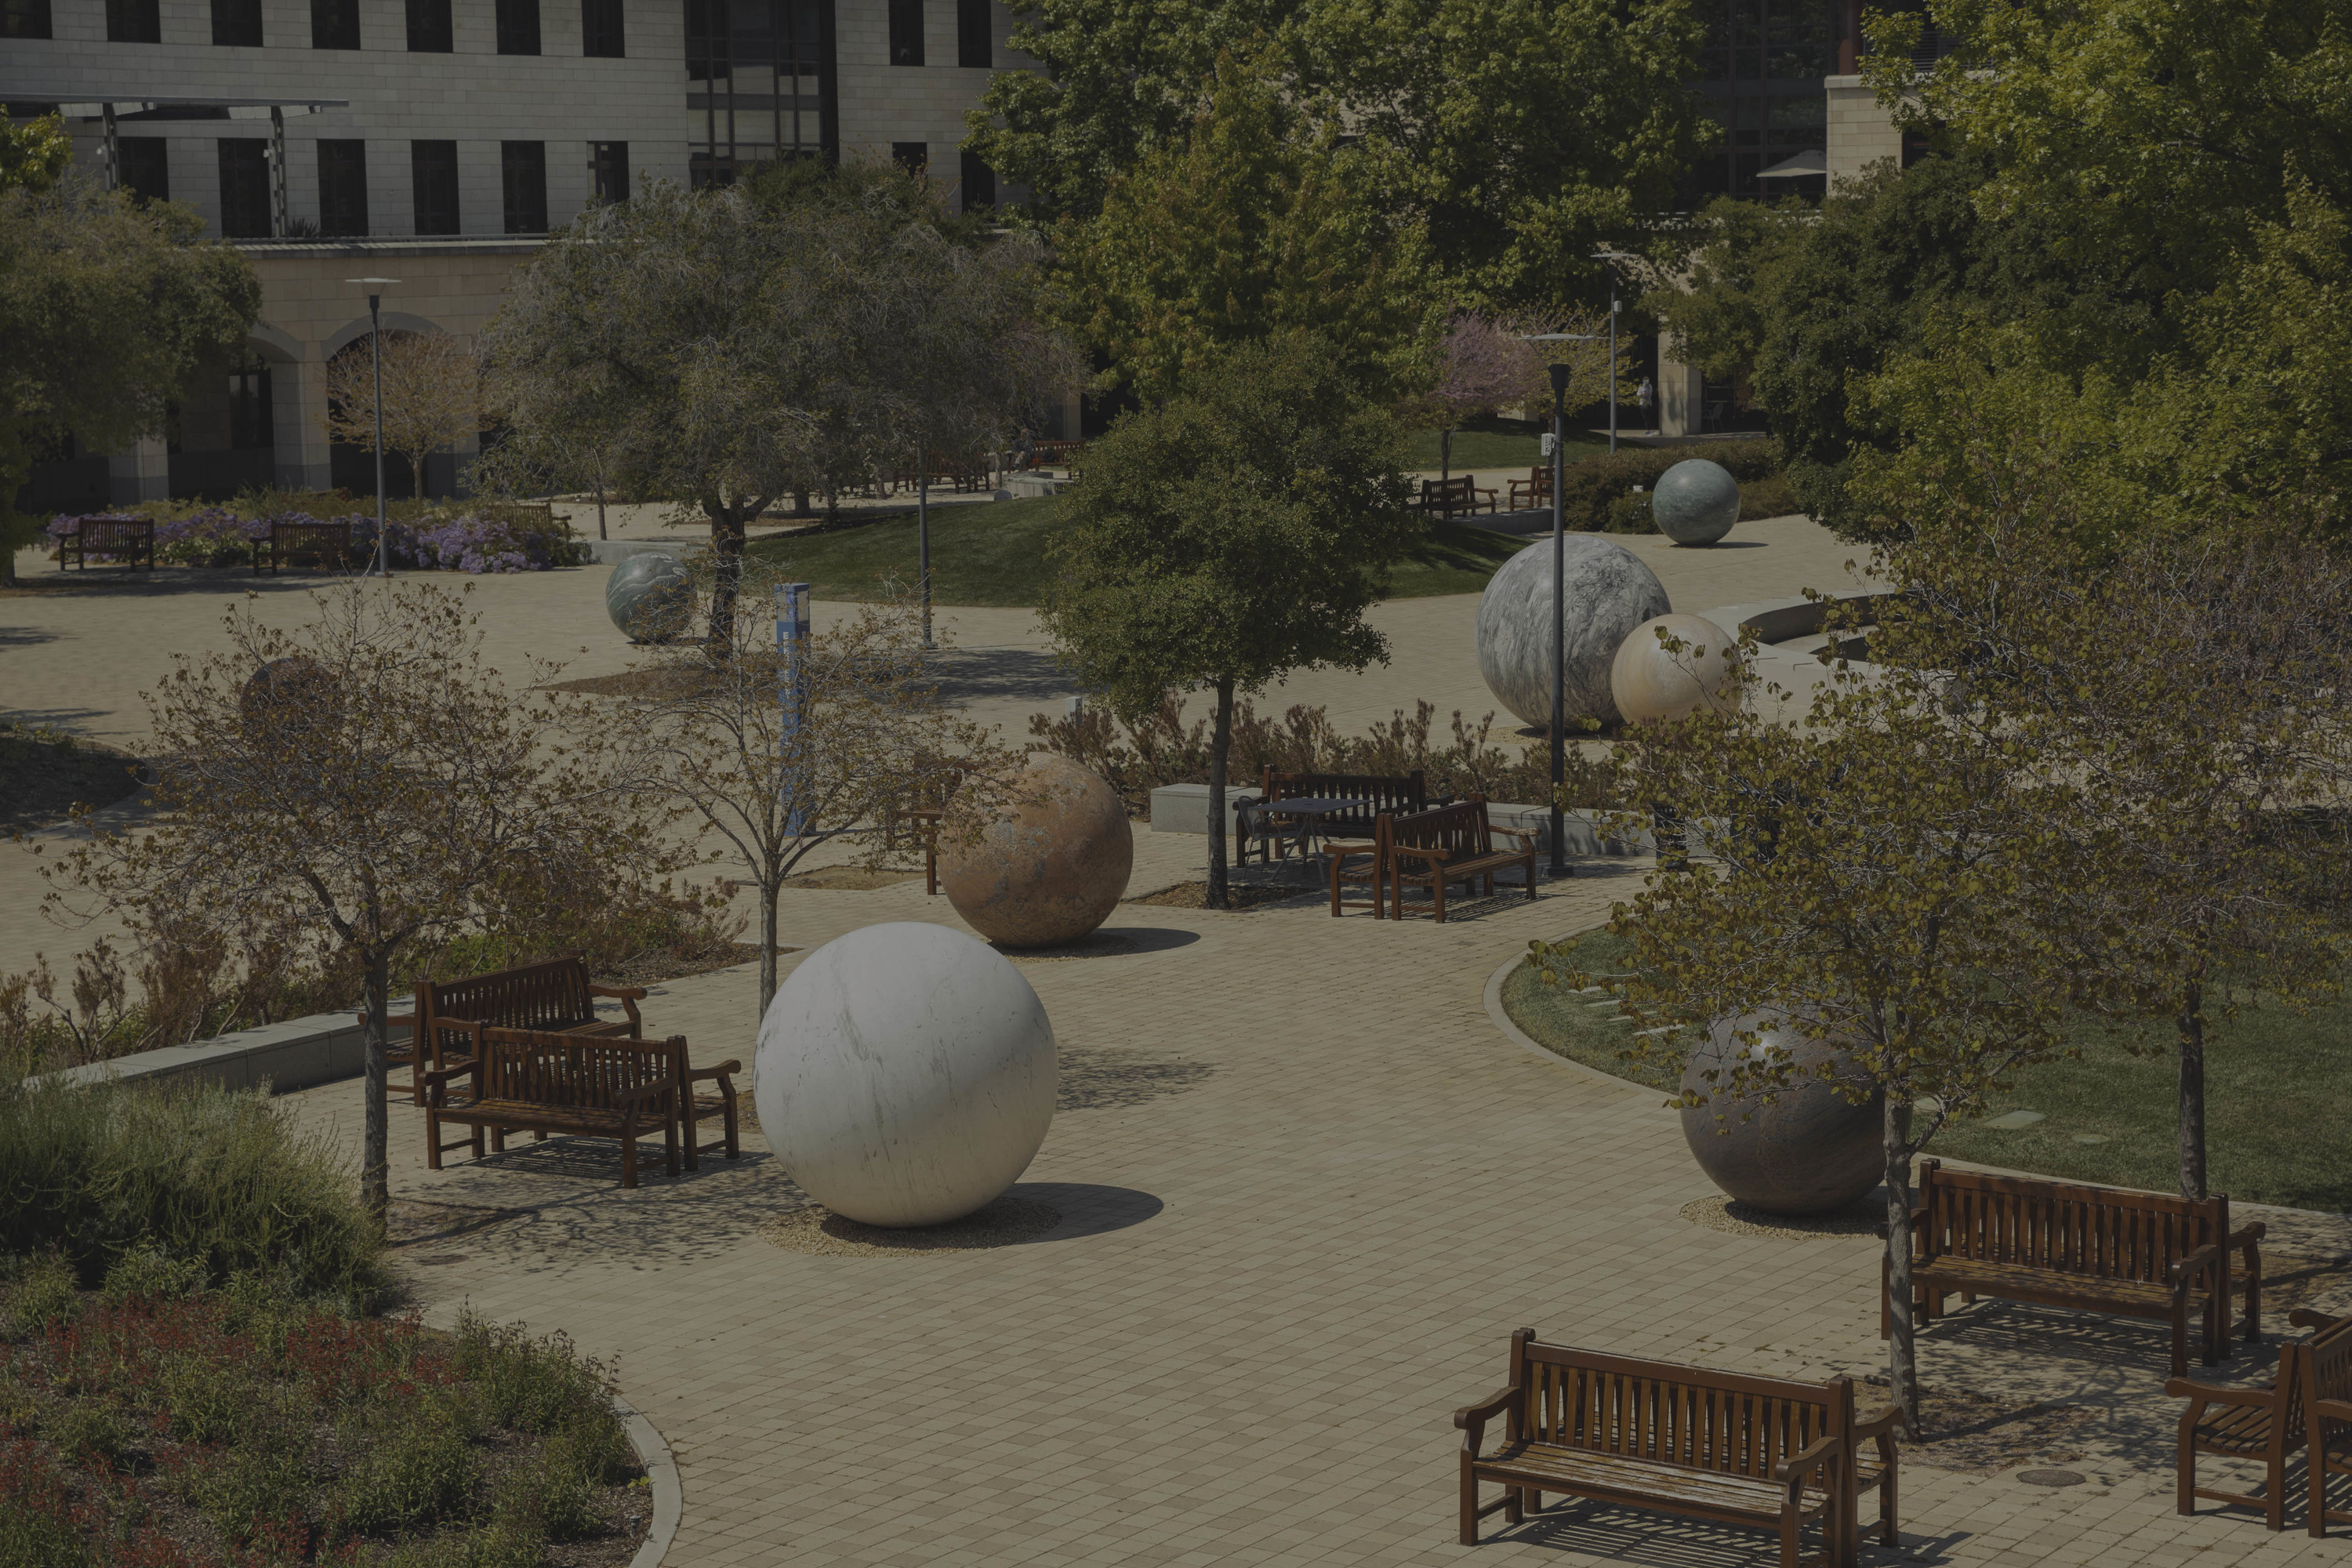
x: 1733, y: 1217
x: 1002, y: 1222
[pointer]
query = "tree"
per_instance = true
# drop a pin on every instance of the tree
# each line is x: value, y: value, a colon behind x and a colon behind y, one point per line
x: 1482, y: 366
x: 725, y: 352
x: 873, y: 740
x: 432, y: 397
x: 364, y: 783
x: 1250, y: 227
x: 1234, y: 534
x: 34, y: 153
x: 108, y: 306
x: 1875, y: 873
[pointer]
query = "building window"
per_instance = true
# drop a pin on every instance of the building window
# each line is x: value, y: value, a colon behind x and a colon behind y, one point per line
x: 334, y: 24
x: 243, y: 187
x: 522, y: 166
x: 759, y: 84
x: 429, y: 29
x: 975, y: 35
x: 133, y: 22
x: 906, y: 32
x: 608, y: 170
x: 518, y: 26
x: 237, y: 24
x: 433, y: 180
x: 252, y: 424
x: 24, y: 18
x: 601, y: 33
x: 145, y: 170
x: 342, y: 188
x: 915, y: 157
x: 979, y: 183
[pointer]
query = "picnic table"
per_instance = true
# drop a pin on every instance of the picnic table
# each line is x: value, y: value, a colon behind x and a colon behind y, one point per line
x: 1299, y: 817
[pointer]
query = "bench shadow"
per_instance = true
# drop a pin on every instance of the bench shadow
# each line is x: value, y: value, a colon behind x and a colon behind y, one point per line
x: 1098, y: 1079
x: 25, y: 636
x: 1611, y: 1534
x: 204, y: 580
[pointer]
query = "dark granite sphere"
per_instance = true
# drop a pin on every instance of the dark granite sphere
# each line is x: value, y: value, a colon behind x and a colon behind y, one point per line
x: 1695, y: 502
x: 1809, y: 1150
x: 649, y: 597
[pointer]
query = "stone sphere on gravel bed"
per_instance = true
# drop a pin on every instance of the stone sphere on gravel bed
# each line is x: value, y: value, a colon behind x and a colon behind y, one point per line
x: 1049, y: 862
x: 1810, y: 1150
x: 1609, y: 592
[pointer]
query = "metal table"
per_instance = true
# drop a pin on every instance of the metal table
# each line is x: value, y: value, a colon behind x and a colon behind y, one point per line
x: 1302, y: 816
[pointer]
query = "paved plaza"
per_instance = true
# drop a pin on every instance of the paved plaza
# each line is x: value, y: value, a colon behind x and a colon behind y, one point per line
x: 1308, y: 1186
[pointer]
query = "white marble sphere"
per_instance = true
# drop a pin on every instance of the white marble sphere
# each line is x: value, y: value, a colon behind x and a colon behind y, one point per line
x: 1608, y: 592
x: 905, y: 1074
x: 1695, y: 502
x: 1651, y: 685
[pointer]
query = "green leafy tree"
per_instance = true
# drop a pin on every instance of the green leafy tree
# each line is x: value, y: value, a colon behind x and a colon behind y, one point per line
x: 1253, y: 225
x: 34, y: 153
x: 1236, y: 534
x: 107, y: 308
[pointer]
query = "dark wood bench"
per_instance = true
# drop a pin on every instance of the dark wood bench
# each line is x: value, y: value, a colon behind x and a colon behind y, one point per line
x: 2100, y: 1249
x: 554, y: 995
x: 1459, y: 494
x: 2267, y: 1425
x: 129, y: 540
x: 1764, y: 1452
x: 326, y: 543
x: 1533, y: 491
x: 531, y: 1081
x: 696, y: 1105
x: 1452, y: 844
x: 2327, y: 1411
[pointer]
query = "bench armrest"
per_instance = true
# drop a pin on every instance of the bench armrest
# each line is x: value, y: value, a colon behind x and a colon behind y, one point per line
x: 619, y: 993
x: 2195, y: 1264
x: 2248, y: 1233
x: 2331, y: 1410
x: 2205, y: 1394
x: 2305, y: 1318
x: 1821, y: 1450
x: 722, y: 1070
x: 1399, y: 851
x: 389, y: 1019
x: 643, y: 1092
x: 1878, y: 1426
x: 1472, y: 1419
x: 435, y: 1075
x: 1525, y: 837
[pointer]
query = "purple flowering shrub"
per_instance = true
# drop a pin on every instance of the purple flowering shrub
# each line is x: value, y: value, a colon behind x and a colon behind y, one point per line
x: 217, y: 536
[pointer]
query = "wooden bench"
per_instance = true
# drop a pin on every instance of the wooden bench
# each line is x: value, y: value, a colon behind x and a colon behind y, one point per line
x: 1459, y: 494
x: 1452, y: 844
x: 1758, y: 1451
x: 531, y: 1080
x: 1533, y: 491
x: 2267, y: 1425
x: 326, y: 543
x: 554, y: 995
x: 2101, y: 1249
x: 1387, y: 795
x: 130, y: 539
x: 2326, y: 1360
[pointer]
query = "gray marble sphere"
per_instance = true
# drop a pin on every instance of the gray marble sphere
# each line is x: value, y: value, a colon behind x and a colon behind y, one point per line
x: 1607, y: 591
x: 1695, y: 502
x: 1809, y: 1151
x: 649, y: 597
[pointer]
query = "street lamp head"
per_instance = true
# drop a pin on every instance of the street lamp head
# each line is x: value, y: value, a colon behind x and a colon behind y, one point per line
x: 373, y: 285
x: 1559, y: 374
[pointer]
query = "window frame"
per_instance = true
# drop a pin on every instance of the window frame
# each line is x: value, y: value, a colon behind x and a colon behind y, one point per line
x: 906, y: 32
x: 608, y: 170
x: 603, y: 29
x: 432, y: 161
x: 518, y: 27
x: 251, y: 158
x: 26, y: 19
x: 333, y: 22
x: 331, y: 212
x: 525, y: 162
x: 237, y: 24
x: 431, y: 29
x: 134, y: 22
x: 975, y: 35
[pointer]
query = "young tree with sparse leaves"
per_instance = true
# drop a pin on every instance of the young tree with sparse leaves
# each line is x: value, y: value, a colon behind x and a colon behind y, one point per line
x: 432, y: 397
x: 365, y: 781
x: 1234, y: 534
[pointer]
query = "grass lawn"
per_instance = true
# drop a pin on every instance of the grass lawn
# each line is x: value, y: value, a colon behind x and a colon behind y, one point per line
x: 1497, y: 443
x: 2278, y: 1098
x: 994, y: 553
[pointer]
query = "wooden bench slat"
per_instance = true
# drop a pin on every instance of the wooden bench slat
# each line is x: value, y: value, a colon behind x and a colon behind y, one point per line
x: 1619, y: 1477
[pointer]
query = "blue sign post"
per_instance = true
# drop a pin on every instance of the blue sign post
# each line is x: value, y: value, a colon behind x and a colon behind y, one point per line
x: 791, y: 600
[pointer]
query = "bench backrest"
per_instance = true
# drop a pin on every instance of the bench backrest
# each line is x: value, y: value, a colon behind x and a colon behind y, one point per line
x: 2326, y: 1359
x: 1458, y: 831
x: 115, y: 533
x: 1388, y: 793
x: 2101, y: 1233
x: 581, y: 1072
x: 549, y: 994
x: 1661, y: 1412
x: 1461, y: 488
x: 292, y: 536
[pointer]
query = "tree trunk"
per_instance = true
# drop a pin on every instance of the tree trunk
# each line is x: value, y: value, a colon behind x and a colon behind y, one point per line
x: 800, y: 503
x: 375, y: 1139
x: 1445, y: 454
x: 600, y: 505
x: 1219, y: 740
x: 2192, y: 1091
x: 727, y: 573
x: 1901, y: 1358
x: 769, y: 891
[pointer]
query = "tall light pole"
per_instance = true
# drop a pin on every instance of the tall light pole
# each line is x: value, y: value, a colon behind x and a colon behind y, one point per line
x: 923, y: 534
x: 1560, y: 371
x: 1610, y: 259
x: 375, y: 288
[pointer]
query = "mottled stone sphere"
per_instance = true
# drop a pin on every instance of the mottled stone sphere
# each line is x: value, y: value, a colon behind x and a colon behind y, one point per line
x: 1807, y: 1151
x: 296, y: 689
x: 1049, y: 859
x: 905, y: 1074
x: 650, y: 595
x: 1695, y: 502
x: 1607, y: 593
x: 1652, y: 684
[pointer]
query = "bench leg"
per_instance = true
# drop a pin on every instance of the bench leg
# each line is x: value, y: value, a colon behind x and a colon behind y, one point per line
x: 734, y: 1148
x: 629, y: 1153
x: 432, y: 1140
x: 498, y: 1140
x: 1469, y: 1506
x: 1513, y: 1505
x: 669, y: 1144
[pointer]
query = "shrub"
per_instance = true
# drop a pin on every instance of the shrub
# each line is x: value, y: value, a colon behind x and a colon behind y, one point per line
x: 421, y: 1470
x: 1588, y: 489
x: 147, y: 1272
x: 88, y: 1429
x: 43, y: 1294
x: 542, y: 1386
x: 221, y: 1180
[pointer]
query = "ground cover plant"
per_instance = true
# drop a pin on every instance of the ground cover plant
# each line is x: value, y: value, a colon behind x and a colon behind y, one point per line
x: 2278, y: 1094
x: 45, y: 773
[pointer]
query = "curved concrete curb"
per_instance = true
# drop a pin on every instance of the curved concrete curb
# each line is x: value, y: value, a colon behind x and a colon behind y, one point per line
x: 1518, y: 1036
x: 661, y: 1469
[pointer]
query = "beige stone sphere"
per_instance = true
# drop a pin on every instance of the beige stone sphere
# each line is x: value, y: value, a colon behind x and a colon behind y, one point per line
x: 1050, y: 863
x: 1652, y: 684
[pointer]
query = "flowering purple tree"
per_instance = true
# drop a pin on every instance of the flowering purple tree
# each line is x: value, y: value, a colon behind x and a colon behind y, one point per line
x: 1482, y: 366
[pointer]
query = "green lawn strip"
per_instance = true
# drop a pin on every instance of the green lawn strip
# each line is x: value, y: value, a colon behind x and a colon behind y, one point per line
x: 2278, y: 1097
x: 994, y: 553
x: 1488, y: 444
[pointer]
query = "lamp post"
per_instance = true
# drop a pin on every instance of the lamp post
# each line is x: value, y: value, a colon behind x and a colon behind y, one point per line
x: 1559, y: 371
x: 1608, y: 259
x: 375, y: 288
x: 923, y: 534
